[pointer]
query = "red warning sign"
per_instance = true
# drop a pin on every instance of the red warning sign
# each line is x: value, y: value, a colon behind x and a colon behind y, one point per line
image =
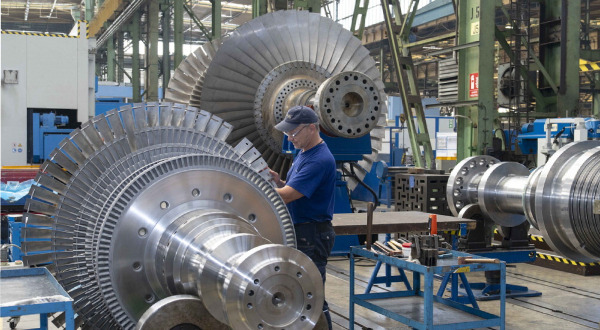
x: 474, y: 84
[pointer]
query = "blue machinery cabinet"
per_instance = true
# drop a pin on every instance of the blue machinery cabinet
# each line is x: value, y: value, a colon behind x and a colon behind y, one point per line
x: 18, y: 287
x: 436, y: 312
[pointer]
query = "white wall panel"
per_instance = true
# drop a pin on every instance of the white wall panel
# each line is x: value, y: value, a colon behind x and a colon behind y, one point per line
x: 14, y: 105
x: 52, y: 72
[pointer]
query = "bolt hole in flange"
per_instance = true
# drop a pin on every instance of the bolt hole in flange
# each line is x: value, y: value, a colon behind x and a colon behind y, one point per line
x: 149, y: 298
x: 278, y: 299
x: 137, y: 266
x: 142, y: 232
x: 196, y: 192
x: 252, y: 217
x: 164, y: 205
x: 228, y: 198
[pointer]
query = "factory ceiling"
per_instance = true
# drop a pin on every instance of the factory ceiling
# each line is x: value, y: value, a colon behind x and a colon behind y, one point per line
x: 59, y: 16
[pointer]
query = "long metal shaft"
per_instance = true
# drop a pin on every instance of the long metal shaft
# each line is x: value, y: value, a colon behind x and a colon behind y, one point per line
x: 558, y: 198
x: 249, y: 282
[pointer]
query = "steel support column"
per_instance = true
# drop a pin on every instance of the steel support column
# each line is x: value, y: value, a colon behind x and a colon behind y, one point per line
x: 166, y: 40
x: 120, y: 58
x: 135, y: 60
x: 559, y: 53
x: 177, y: 32
x: 358, y: 18
x: 110, y: 59
x: 89, y: 10
x: 216, y: 19
x: 259, y: 7
x: 398, y: 28
x: 476, y: 77
x: 314, y: 6
x: 151, y: 84
x: 596, y: 96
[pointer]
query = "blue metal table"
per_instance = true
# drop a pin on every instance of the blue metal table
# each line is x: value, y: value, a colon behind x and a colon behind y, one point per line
x: 29, y: 291
x: 420, y: 307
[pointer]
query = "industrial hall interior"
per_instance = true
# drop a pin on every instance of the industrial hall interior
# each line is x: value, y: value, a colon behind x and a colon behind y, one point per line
x: 300, y: 164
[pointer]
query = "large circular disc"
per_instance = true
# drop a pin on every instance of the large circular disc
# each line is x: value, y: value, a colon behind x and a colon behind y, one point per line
x: 555, y: 184
x: 232, y: 83
x: 81, y: 179
x: 462, y: 182
x: 274, y: 287
x: 180, y: 312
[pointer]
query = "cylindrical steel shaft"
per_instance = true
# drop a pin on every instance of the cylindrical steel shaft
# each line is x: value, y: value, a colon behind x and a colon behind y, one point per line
x: 557, y: 198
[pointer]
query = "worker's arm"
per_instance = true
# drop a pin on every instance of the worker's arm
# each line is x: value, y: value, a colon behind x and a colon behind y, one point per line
x: 289, y: 194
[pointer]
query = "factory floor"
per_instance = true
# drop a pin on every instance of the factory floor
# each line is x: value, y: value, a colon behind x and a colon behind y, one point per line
x: 568, y: 301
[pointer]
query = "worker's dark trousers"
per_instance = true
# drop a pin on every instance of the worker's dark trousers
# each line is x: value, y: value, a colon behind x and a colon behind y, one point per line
x: 315, y: 239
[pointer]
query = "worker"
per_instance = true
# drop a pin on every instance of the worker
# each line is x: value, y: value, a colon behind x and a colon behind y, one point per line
x: 309, y: 188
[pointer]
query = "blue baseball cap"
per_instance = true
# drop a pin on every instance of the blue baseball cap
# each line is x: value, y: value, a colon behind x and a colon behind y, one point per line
x: 297, y: 116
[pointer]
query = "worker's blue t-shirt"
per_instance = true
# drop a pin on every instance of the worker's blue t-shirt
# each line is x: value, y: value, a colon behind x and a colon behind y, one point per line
x: 313, y: 175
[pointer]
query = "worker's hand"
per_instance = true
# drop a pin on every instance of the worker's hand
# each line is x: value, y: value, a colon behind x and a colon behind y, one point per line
x: 276, y: 178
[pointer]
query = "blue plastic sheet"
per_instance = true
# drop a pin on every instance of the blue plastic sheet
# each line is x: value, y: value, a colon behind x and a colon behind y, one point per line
x: 13, y: 191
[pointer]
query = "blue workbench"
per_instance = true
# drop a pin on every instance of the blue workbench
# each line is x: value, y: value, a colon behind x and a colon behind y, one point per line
x: 29, y: 291
x: 420, y: 307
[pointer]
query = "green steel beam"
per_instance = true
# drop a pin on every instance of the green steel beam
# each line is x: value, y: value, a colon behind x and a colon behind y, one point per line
x: 201, y: 26
x: 135, y: 61
x: 89, y: 10
x: 536, y: 60
x: 592, y: 55
x: 110, y: 59
x: 486, y: 112
x: 120, y: 57
x: 259, y: 8
x: 476, y: 77
x: 152, y: 53
x: 166, y: 40
x: 398, y: 30
x: 423, y: 42
x: 121, y: 70
x: 358, y: 17
x: 540, y: 99
x: 177, y: 32
x: 216, y: 19
x: 314, y: 6
x: 325, y: 6
x: 559, y: 54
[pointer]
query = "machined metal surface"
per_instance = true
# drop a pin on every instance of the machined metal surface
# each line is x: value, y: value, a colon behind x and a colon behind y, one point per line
x: 148, y: 202
x: 183, y: 311
x: 349, y: 104
x: 278, y: 60
x: 557, y: 198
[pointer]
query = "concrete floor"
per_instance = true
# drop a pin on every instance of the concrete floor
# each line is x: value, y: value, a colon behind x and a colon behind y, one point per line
x: 568, y: 301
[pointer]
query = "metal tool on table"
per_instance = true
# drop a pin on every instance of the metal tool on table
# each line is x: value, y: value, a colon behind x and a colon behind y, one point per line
x: 470, y: 260
x: 370, y: 209
x: 425, y: 248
